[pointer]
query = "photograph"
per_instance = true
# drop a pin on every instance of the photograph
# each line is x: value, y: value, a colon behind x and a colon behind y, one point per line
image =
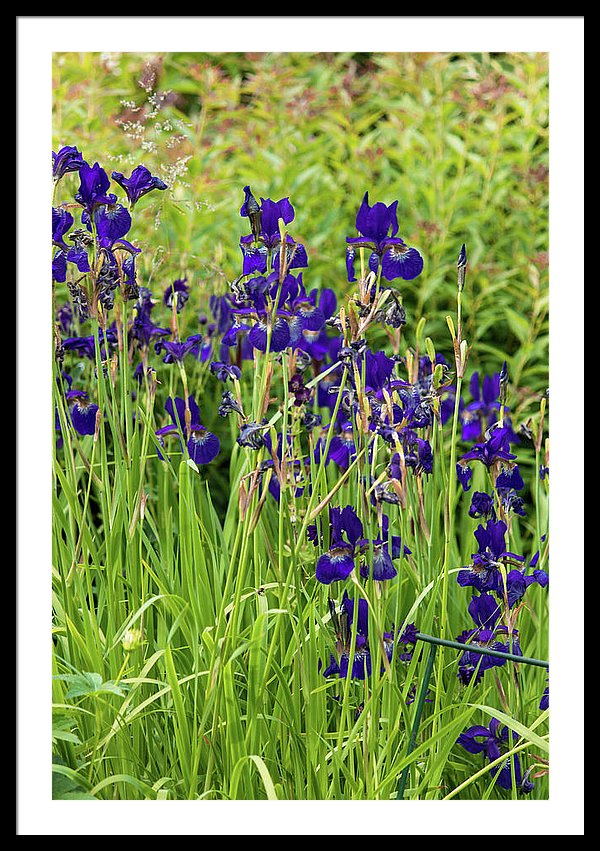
x: 295, y: 353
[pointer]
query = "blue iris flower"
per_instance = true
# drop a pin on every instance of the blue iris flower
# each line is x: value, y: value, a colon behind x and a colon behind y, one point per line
x: 202, y: 445
x: 139, y: 183
x: 492, y: 741
x: 484, y: 573
x: 346, y: 530
x: 378, y: 226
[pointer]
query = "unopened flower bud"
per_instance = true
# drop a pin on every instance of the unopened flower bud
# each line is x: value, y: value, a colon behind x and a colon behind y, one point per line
x: 419, y: 330
x: 450, y: 324
x: 503, y: 383
x: 462, y: 267
x: 438, y: 375
x: 132, y: 639
x: 252, y: 209
x: 430, y: 349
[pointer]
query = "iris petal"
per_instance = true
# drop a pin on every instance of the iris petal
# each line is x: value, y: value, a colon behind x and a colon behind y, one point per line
x: 335, y: 564
x: 203, y: 446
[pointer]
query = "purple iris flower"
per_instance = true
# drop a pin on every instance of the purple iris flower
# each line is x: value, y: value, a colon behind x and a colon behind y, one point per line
x: 143, y: 330
x: 395, y: 541
x: 496, y: 447
x: 61, y: 222
x: 265, y: 239
x: 301, y: 308
x: 298, y: 390
x: 59, y: 267
x: 64, y: 317
x: 177, y: 350
x: 343, y: 622
x: 295, y: 255
x: 510, y: 478
x: 385, y: 549
x: 517, y: 583
x: 255, y: 257
x: 175, y: 407
x: 224, y: 371
x: 67, y: 159
x: 83, y: 411
x: 511, y: 501
x: 407, y: 641
x: 85, y: 346
x: 485, y: 612
x: 78, y: 253
x: 319, y: 347
x: 342, y: 449
x: 176, y: 294
x: 423, y: 457
x: 464, y: 475
x: 139, y: 183
x: 480, y: 414
x: 202, y: 446
x: 237, y: 328
x: 297, y: 313
x: 378, y: 226
x: 112, y: 223
x: 382, y: 567
x: 418, y: 455
x: 492, y: 741
x: 271, y: 212
x: 280, y: 334
x: 220, y: 308
x: 482, y: 505
x: 93, y: 188
x: 378, y: 369
x: 545, y: 699
x: 327, y: 389
x: 345, y: 531
x: 484, y: 573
